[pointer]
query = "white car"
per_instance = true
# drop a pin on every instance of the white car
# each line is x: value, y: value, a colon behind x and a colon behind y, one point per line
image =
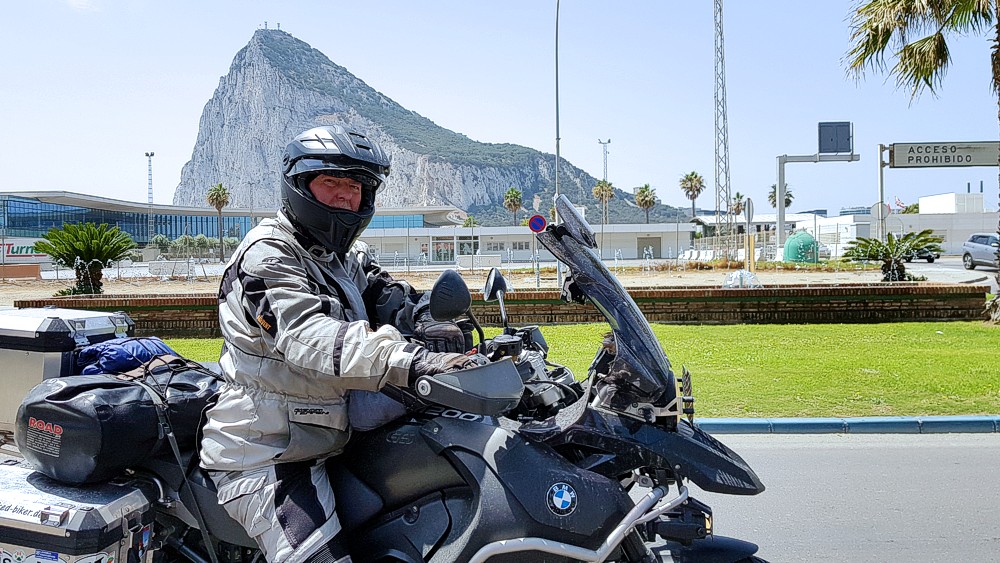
x: 980, y: 250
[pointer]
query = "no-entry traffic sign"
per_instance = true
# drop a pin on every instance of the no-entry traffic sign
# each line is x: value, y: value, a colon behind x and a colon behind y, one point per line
x: 943, y: 155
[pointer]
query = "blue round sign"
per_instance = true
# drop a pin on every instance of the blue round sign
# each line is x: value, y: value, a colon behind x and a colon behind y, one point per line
x: 536, y: 223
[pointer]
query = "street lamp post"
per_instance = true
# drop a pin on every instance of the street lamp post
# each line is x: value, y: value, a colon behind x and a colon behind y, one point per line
x: 252, y: 186
x: 555, y: 218
x: 151, y: 226
x: 604, y: 218
x: 3, y: 242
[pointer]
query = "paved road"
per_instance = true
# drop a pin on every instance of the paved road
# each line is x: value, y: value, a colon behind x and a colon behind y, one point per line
x: 878, y: 498
x: 866, y: 498
x: 950, y: 269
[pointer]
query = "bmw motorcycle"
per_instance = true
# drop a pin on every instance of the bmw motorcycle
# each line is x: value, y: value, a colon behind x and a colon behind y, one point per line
x: 517, y: 459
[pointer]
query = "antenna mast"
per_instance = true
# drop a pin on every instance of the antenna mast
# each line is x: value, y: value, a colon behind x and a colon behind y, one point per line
x: 722, y: 198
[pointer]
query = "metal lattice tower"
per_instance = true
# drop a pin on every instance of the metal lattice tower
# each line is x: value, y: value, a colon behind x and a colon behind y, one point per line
x: 722, y: 197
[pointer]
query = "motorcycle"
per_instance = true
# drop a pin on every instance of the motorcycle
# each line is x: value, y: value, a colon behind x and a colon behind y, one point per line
x: 515, y: 459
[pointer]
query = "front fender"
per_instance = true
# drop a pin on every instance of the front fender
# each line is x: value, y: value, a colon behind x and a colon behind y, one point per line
x: 707, y: 462
x: 713, y: 549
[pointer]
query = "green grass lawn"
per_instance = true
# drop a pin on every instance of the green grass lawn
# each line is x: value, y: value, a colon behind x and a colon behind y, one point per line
x: 891, y: 369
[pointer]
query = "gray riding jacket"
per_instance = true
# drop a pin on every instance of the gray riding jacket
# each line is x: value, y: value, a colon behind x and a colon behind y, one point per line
x: 297, y: 340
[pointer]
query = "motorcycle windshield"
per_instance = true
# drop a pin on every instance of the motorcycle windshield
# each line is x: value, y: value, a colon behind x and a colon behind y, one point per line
x: 641, y: 368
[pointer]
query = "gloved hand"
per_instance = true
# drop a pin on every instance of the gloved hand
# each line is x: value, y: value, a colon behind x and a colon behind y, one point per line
x: 441, y: 336
x: 426, y: 362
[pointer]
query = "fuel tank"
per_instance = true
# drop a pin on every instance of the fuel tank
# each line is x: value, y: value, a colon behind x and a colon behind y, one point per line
x: 440, y: 489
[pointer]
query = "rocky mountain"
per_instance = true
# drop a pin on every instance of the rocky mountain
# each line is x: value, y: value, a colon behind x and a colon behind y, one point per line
x: 278, y: 86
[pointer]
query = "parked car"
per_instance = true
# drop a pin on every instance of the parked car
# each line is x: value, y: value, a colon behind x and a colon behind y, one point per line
x: 980, y: 250
x: 923, y: 254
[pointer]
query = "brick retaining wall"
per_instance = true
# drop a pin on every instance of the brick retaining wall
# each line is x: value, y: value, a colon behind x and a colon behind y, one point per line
x: 186, y: 315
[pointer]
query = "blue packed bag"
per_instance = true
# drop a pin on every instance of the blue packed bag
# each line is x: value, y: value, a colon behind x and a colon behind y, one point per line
x: 119, y: 355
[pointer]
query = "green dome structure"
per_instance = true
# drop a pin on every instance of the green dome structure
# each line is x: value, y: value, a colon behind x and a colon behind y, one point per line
x: 801, y: 247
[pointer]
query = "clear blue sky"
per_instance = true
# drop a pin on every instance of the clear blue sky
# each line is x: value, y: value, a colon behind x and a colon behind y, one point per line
x: 88, y: 86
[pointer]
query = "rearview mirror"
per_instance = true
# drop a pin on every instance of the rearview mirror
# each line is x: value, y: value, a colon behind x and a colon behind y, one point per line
x: 450, y: 297
x: 495, y: 287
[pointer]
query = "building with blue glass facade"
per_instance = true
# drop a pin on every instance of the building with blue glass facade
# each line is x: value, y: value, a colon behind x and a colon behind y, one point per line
x: 30, y: 215
x: 398, y: 236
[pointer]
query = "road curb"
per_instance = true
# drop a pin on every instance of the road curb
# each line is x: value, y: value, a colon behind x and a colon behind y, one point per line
x: 857, y: 425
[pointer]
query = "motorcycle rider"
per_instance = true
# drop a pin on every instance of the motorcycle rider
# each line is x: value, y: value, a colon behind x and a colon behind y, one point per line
x: 307, y: 319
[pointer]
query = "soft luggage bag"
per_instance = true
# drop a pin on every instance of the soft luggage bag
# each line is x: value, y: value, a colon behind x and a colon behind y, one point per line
x: 119, y: 354
x: 89, y: 428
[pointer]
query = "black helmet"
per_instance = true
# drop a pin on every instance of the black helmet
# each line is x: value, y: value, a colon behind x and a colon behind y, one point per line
x: 340, y: 152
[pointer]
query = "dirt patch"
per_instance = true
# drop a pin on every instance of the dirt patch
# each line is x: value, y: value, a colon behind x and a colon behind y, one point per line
x: 14, y: 290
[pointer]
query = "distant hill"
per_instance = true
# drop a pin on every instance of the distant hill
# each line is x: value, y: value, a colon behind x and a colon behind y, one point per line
x: 278, y: 86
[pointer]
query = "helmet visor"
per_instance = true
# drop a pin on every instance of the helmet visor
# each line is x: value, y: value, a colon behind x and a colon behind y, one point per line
x: 314, y: 166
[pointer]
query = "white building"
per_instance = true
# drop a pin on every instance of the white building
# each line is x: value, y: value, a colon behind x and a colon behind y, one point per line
x: 951, y: 216
x: 446, y: 245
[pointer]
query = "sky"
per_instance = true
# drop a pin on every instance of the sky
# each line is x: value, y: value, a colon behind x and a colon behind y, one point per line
x: 87, y: 87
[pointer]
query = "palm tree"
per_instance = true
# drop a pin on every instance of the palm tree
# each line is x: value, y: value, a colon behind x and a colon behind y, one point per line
x: 921, y: 63
x: 512, y: 201
x: 692, y: 184
x: 218, y: 197
x: 738, y: 203
x: 87, y: 248
x: 645, y: 198
x: 893, y: 252
x: 470, y: 221
x: 772, y: 196
x: 603, y: 192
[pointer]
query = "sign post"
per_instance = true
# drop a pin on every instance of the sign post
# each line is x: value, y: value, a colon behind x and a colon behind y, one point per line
x: 537, y: 224
x: 748, y: 246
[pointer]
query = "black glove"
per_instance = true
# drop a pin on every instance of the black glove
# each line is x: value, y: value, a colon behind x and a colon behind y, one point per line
x: 441, y: 336
x: 426, y: 362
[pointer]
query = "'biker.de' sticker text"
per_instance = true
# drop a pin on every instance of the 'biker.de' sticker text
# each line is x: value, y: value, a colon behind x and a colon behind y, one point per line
x: 21, y: 510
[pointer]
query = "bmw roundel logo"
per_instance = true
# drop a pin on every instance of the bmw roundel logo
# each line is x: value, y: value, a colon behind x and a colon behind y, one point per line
x: 561, y: 499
